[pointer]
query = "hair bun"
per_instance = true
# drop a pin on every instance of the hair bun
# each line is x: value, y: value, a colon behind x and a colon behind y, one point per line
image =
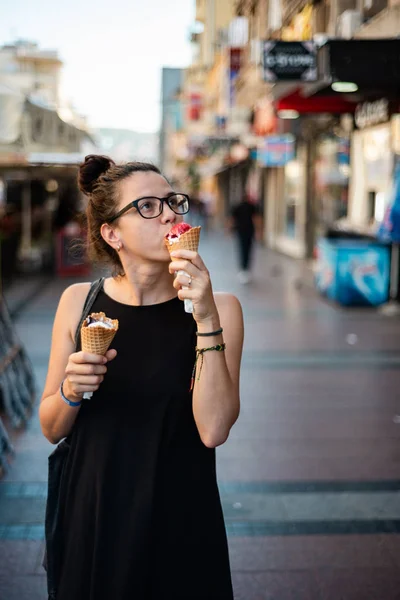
x: 90, y: 170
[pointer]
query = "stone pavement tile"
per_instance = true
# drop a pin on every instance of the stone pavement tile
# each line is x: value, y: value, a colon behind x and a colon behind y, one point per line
x: 358, y: 584
x: 384, y: 449
x: 16, y: 587
x: 341, y: 506
x: 311, y: 469
x: 310, y: 552
x: 393, y: 543
x: 270, y: 553
x: 30, y: 465
x: 18, y: 557
x: 246, y: 587
x: 307, y: 427
x: 242, y: 469
x: 289, y: 585
x: 27, y: 511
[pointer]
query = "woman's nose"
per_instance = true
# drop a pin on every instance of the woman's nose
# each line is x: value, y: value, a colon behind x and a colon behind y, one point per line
x: 167, y: 214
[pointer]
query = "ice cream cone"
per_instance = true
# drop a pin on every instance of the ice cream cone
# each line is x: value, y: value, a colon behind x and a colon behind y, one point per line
x: 186, y: 241
x: 97, y: 340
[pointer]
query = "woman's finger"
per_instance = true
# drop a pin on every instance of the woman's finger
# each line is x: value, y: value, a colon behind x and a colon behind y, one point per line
x: 193, y: 257
x: 111, y: 354
x: 188, y: 294
x: 85, y: 379
x: 183, y: 265
x: 85, y: 369
x: 87, y: 357
x: 183, y: 279
x: 81, y: 388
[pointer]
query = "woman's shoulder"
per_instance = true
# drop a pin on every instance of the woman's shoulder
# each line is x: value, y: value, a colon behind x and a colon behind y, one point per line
x: 74, y: 293
x: 71, y: 304
x: 228, y: 304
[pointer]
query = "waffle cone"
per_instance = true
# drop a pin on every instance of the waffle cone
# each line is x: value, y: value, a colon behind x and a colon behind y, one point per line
x: 187, y: 241
x: 97, y: 340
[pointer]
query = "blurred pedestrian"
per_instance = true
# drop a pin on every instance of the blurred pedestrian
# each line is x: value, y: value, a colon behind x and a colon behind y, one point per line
x: 137, y: 514
x: 246, y: 224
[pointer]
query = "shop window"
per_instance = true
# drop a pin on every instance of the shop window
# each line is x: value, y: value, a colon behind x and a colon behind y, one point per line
x: 293, y: 197
x: 331, y: 180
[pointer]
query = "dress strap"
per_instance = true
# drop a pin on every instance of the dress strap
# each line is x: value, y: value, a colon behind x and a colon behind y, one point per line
x: 94, y: 290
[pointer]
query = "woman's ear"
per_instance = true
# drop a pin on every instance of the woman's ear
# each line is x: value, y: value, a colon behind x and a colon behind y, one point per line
x: 110, y: 236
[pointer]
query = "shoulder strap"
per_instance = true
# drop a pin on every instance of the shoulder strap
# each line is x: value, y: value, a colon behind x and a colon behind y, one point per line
x: 90, y: 298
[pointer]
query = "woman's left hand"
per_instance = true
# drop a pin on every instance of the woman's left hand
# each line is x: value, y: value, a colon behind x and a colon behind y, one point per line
x: 198, y: 282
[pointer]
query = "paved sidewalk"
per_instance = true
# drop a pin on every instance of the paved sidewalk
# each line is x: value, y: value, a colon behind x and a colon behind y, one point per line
x: 309, y: 477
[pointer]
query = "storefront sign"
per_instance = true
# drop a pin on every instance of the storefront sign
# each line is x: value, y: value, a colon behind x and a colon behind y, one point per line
x: 277, y: 151
x: 372, y: 113
x: 289, y: 61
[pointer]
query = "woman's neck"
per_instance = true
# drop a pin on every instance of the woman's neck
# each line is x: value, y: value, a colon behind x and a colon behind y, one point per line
x: 143, y: 285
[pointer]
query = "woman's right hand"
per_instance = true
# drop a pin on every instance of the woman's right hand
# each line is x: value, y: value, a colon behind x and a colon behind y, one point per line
x: 85, y: 372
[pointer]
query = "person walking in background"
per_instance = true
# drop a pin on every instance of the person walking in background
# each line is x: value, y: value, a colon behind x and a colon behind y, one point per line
x: 246, y: 223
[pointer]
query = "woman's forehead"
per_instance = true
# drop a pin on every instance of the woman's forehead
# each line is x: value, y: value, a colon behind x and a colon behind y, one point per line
x: 140, y: 184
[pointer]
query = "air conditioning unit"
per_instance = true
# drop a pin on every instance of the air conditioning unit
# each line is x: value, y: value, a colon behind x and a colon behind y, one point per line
x: 255, y: 52
x: 348, y: 23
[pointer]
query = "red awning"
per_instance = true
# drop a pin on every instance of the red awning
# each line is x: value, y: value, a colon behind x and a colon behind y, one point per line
x: 334, y: 104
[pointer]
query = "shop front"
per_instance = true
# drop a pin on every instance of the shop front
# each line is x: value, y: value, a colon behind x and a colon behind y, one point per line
x: 308, y: 191
x: 371, y: 164
x: 292, y: 209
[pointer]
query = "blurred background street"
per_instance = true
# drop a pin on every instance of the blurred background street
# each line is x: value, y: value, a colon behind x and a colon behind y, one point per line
x: 282, y: 112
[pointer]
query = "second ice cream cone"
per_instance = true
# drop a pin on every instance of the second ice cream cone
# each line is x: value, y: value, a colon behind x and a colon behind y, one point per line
x: 96, y: 339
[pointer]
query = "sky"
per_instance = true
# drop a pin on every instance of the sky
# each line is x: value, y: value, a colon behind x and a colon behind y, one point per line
x: 113, y: 51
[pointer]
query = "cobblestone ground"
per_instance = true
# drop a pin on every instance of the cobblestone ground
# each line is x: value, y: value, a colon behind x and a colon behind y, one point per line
x: 309, y: 477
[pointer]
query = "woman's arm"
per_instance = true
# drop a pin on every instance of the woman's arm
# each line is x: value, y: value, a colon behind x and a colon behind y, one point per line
x: 56, y: 417
x: 82, y: 371
x: 216, y: 391
x: 216, y: 401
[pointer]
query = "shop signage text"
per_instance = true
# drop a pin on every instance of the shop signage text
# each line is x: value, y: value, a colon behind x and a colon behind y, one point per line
x: 289, y: 61
x: 277, y: 151
x: 372, y: 113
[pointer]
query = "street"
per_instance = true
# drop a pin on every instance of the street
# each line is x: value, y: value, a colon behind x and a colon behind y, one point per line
x: 309, y: 477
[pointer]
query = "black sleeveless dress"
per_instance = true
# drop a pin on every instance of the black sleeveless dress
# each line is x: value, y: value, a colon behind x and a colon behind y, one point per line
x: 142, y: 517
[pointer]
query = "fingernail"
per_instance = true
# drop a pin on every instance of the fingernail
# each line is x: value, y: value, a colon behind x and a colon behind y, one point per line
x: 174, y: 253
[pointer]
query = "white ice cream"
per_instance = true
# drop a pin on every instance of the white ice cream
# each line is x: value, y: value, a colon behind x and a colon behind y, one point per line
x: 100, y: 324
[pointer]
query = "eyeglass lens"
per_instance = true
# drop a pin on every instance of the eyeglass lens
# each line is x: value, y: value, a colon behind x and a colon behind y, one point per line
x: 152, y: 207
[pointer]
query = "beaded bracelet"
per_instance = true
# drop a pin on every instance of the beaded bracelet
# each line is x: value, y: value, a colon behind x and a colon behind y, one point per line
x: 69, y: 402
x: 200, y: 352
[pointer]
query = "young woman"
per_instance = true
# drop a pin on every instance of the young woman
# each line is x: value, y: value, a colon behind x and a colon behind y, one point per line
x: 140, y: 509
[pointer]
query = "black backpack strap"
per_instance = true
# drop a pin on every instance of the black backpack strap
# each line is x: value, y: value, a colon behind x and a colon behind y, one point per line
x: 90, y: 298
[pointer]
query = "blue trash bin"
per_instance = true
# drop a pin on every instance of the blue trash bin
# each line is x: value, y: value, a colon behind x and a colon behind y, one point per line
x: 353, y: 272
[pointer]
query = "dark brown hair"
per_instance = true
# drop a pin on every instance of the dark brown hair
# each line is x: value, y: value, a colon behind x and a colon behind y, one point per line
x: 99, y: 179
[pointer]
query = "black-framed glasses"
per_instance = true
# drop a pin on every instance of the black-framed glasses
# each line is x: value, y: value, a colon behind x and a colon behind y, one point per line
x: 151, y: 207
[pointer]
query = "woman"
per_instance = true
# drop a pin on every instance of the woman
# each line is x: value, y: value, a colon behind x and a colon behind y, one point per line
x: 140, y: 511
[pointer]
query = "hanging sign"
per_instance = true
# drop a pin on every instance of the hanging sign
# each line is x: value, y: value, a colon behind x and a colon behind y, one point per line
x: 289, y: 61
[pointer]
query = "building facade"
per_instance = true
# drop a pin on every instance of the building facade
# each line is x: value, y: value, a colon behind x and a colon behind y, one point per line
x: 309, y: 149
